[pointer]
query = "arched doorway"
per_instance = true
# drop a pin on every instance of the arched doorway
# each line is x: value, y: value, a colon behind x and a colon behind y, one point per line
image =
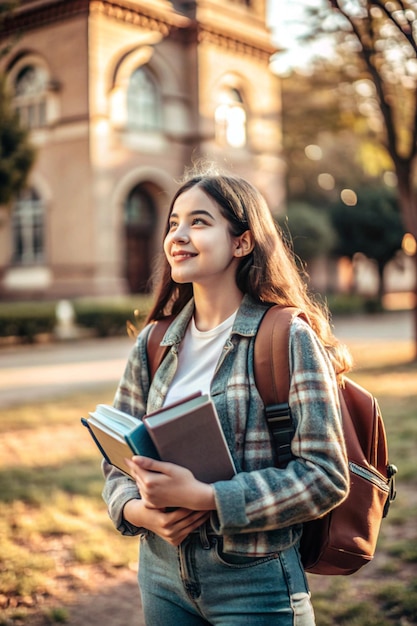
x: 139, y: 219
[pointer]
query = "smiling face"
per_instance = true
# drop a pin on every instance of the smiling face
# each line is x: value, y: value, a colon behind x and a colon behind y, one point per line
x: 199, y: 246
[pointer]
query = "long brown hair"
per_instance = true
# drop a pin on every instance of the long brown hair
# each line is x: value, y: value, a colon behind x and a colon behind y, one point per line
x: 269, y: 274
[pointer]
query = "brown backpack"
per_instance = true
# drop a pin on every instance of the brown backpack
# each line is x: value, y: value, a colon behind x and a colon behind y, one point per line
x: 343, y: 540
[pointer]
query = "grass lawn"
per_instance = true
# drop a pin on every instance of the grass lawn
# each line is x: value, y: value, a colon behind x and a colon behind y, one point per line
x: 56, y: 539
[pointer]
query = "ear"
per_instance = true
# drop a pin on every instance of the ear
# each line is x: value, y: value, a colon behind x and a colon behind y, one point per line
x: 244, y: 244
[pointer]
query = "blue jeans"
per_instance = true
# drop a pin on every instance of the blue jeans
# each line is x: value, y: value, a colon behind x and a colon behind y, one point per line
x: 197, y: 584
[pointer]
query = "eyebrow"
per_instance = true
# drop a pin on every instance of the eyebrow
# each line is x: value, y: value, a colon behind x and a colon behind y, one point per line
x: 195, y: 212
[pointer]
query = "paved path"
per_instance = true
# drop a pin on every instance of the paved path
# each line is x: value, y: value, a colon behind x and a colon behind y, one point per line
x: 44, y: 371
x: 387, y: 326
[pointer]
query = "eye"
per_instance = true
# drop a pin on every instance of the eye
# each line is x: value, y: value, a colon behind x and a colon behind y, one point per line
x: 172, y: 224
x: 198, y: 221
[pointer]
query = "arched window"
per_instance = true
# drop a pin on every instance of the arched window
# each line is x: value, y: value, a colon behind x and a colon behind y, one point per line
x: 143, y: 101
x: 28, y: 229
x: 30, y: 87
x: 230, y: 119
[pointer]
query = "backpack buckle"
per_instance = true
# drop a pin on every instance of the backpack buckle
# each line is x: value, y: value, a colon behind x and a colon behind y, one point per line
x: 391, y: 471
x: 281, y: 426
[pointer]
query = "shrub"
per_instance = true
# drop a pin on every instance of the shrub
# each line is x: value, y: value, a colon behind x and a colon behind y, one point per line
x: 105, y: 317
x: 26, y: 320
x: 108, y: 318
x: 350, y: 304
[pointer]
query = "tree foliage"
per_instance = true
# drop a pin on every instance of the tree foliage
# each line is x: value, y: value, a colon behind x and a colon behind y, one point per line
x: 322, y: 109
x: 6, y: 8
x: 310, y: 231
x: 372, y: 227
x: 344, y: 154
x: 311, y: 116
x: 16, y: 153
x: 383, y: 33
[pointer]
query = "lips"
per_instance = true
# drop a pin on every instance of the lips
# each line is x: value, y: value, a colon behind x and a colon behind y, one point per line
x: 179, y: 255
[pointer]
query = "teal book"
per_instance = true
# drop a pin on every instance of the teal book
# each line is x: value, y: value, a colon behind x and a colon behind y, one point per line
x: 186, y: 433
x: 118, y: 436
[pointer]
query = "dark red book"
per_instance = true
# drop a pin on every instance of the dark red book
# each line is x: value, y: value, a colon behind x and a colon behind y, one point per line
x: 187, y: 433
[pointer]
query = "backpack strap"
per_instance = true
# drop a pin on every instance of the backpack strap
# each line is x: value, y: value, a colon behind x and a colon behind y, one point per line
x: 155, y: 351
x: 272, y: 376
x: 271, y: 368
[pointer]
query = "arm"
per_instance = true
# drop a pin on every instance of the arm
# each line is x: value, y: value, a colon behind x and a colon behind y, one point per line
x: 165, y: 485
x: 131, y: 508
x: 131, y: 397
x: 317, y: 479
x: 173, y: 526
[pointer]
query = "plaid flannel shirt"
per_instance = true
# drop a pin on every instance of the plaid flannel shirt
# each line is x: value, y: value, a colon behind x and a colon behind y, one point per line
x: 261, y: 509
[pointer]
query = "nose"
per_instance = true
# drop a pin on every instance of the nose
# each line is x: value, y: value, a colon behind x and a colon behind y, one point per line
x: 180, y: 234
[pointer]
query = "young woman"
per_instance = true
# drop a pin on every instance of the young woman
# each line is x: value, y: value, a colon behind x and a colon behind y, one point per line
x: 228, y: 553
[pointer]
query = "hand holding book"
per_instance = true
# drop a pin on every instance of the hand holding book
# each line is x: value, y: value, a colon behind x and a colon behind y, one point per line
x: 187, y: 433
x: 169, y: 486
x: 173, y: 525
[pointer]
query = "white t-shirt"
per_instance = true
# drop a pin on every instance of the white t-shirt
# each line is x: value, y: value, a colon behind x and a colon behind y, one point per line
x: 198, y: 355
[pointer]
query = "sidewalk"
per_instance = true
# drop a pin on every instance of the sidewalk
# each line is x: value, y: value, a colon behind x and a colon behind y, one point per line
x: 389, y: 326
x: 43, y: 371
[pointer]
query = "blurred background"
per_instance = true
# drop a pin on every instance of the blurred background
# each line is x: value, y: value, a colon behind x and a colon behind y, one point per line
x: 104, y: 106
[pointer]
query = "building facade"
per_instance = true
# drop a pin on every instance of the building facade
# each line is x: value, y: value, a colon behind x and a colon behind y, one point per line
x: 121, y: 98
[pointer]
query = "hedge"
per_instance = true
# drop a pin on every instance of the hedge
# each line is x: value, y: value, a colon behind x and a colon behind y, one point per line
x: 107, y: 318
x: 351, y: 304
x: 25, y: 320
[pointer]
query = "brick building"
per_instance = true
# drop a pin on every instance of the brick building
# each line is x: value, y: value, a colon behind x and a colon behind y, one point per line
x: 121, y: 97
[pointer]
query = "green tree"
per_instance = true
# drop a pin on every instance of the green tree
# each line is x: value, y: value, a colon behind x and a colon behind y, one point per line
x: 310, y: 231
x: 331, y: 149
x: 311, y: 114
x: 17, y: 155
x: 383, y: 34
x: 6, y: 8
x: 372, y: 226
x: 322, y: 110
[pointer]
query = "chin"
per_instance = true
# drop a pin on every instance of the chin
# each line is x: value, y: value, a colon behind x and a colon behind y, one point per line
x: 180, y: 280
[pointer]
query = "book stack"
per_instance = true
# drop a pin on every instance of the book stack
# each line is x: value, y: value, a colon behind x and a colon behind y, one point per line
x: 187, y: 433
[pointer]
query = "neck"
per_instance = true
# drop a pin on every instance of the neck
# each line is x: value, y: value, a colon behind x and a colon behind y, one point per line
x: 212, y: 308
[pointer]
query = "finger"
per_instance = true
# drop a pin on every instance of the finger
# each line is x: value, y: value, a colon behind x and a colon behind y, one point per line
x: 191, y: 523
x: 134, y: 469
x: 176, y: 536
x: 151, y: 465
x: 181, y: 514
x: 176, y: 530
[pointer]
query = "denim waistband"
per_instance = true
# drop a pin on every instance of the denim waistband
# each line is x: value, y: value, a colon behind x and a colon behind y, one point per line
x: 204, y: 532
